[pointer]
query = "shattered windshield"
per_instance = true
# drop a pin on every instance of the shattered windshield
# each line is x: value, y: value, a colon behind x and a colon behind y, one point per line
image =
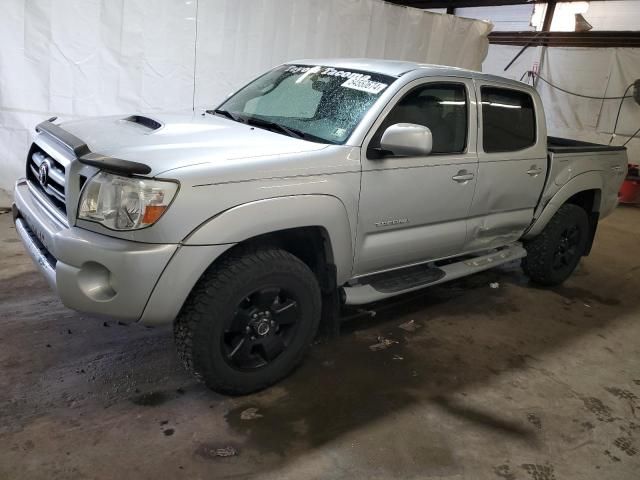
x: 317, y: 103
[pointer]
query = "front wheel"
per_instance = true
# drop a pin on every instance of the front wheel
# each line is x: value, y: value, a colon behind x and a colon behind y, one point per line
x: 249, y: 321
x: 554, y: 254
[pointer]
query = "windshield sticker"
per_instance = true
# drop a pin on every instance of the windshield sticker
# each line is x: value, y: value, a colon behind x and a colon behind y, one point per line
x: 339, y: 132
x: 355, y: 80
x: 364, y: 84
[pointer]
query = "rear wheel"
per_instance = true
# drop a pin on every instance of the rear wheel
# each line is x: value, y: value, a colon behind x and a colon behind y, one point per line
x: 554, y: 254
x: 249, y: 321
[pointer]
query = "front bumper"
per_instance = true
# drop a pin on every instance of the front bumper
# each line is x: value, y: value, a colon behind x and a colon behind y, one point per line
x: 90, y: 272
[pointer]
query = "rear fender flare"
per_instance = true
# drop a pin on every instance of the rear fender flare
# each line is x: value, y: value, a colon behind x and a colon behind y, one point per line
x: 580, y: 183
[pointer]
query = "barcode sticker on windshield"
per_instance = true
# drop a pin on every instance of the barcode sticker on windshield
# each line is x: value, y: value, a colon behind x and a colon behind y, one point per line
x: 364, y: 85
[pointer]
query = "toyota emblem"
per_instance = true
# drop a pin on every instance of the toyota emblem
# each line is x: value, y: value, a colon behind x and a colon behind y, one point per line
x: 43, y: 173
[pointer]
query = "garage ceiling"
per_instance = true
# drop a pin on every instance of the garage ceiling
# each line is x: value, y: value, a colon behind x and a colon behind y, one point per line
x: 453, y: 4
x: 459, y: 3
x: 534, y: 38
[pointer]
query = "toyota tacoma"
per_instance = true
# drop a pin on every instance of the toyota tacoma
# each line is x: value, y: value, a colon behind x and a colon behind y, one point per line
x: 320, y: 183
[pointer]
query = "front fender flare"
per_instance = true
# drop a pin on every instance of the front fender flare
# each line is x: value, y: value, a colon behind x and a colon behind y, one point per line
x: 580, y: 183
x: 252, y: 219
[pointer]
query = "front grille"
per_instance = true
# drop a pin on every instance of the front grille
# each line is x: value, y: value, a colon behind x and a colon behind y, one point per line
x: 50, y: 179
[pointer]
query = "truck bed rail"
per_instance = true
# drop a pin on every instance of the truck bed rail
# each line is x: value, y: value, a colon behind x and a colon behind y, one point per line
x: 567, y: 145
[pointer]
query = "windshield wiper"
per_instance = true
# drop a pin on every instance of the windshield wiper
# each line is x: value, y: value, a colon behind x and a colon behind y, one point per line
x: 225, y: 113
x: 268, y: 124
x: 258, y: 122
x: 261, y: 122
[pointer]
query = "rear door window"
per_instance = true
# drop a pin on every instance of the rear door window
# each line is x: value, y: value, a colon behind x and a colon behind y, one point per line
x: 508, y: 120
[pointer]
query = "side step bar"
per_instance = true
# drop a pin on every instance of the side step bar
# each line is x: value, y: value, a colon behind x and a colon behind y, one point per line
x: 396, y: 282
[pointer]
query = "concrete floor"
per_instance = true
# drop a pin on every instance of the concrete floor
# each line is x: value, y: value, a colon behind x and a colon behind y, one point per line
x: 507, y: 383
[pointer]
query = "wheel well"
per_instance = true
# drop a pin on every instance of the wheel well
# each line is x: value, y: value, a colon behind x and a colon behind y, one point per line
x: 312, y: 245
x: 589, y: 200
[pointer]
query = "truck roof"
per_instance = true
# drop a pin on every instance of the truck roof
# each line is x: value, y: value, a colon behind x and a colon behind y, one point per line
x: 397, y: 68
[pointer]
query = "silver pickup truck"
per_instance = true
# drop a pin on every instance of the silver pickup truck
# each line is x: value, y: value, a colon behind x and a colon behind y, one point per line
x: 321, y: 182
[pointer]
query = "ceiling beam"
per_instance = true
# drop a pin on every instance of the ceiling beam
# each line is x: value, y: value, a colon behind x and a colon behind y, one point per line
x: 466, y: 3
x: 601, y: 39
x: 548, y: 16
x: 452, y: 4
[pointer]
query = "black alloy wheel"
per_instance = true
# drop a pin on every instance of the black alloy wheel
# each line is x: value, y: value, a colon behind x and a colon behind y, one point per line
x: 261, y: 329
x: 249, y: 320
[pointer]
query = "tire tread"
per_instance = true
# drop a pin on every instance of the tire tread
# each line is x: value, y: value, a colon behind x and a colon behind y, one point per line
x: 205, y: 298
x: 536, y: 264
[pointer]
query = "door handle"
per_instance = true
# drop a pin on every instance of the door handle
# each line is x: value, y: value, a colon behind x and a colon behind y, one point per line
x: 534, y: 171
x: 463, y: 176
x: 617, y: 169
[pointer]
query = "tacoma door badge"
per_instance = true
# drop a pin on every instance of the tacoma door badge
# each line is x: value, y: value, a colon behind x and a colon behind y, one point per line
x: 388, y: 223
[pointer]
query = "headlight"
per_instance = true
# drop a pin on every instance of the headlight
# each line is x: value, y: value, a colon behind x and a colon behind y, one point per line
x: 124, y: 203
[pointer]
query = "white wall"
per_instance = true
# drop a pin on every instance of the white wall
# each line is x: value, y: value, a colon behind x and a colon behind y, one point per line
x: 77, y: 58
x: 237, y: 40
x: 511, y: 18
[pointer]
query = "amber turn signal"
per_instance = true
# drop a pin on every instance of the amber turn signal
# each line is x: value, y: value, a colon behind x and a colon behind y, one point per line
x: 152, y: 213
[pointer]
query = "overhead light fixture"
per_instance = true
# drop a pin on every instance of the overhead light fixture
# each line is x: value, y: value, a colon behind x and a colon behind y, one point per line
x: 564, y: 17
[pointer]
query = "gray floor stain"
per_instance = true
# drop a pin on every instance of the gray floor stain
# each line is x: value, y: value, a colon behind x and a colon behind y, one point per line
x: 622, y: 393
x: 534, y: 420
x: 504, y: 472
x: 540, y: 472
x: 599, y: 409
x: 626, y: 445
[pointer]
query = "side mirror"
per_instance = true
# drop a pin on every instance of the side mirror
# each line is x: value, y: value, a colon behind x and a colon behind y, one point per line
x: 407, y: 139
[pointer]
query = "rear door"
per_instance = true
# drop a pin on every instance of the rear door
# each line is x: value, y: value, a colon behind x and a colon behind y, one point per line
x: 512, y: 168
x: 415, y: 208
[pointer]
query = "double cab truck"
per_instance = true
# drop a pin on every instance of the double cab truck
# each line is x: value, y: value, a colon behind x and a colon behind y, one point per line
x: 320, y: 183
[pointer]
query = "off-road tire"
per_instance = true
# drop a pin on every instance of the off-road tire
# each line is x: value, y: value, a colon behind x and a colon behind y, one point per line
x: 199, y: 327
x: 541, y: 250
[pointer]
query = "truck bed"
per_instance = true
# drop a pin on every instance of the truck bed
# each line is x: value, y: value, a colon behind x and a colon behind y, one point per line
x: 567, y: 145
x: 569, y: 159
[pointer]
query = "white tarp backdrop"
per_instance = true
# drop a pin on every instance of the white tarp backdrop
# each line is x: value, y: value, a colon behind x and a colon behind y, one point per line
x: 598, y: 72
x: 76, y: 58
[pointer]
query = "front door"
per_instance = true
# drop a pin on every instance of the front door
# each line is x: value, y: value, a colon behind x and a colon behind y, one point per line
x: 414, y: 209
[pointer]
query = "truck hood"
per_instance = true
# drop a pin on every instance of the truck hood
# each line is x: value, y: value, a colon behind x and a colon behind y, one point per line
x: 173, y: 140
